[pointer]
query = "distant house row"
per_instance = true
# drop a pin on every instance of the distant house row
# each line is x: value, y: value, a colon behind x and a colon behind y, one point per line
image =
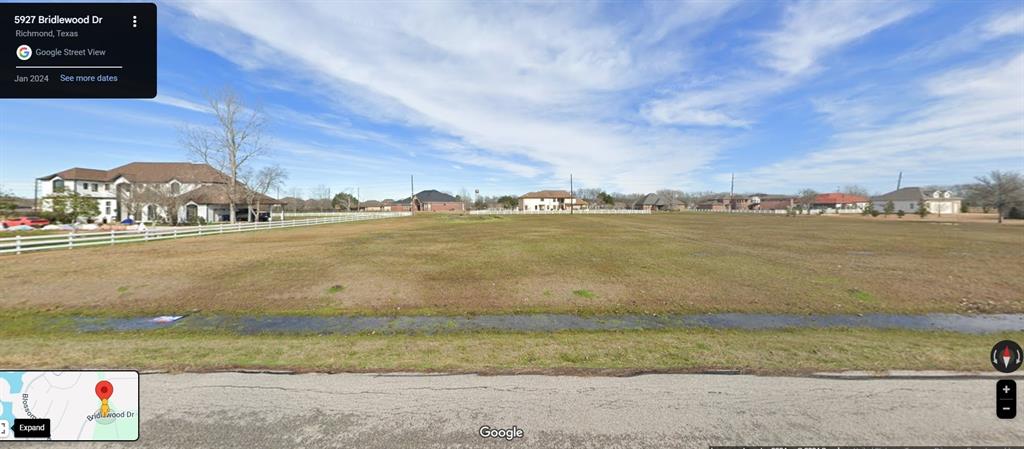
x: 907, y: 199
x: 426, y: 201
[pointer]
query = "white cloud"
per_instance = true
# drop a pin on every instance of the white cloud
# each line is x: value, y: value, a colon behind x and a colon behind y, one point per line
x: 812, y: 29
x: 532, y: 88
x: 1010, y: 23
x: 808, y: 32
x: 963, y: 120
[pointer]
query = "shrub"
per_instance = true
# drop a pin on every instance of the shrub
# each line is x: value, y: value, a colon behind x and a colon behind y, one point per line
x: 900, y: 213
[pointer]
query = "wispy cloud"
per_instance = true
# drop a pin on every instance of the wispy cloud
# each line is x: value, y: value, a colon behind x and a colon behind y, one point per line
x: 790, y: 52
x: 812, y: 29
x: 968, y: 118
x: 531, y: 88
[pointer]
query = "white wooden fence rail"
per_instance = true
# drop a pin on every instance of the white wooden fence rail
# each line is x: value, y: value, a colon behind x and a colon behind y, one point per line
x: 559, y: 212
x: 19, y: 244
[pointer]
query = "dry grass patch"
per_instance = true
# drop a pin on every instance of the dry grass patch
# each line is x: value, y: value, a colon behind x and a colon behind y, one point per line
x: 451, y: 264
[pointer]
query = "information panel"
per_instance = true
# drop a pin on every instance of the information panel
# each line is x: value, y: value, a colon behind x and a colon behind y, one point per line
x: 78, y: 50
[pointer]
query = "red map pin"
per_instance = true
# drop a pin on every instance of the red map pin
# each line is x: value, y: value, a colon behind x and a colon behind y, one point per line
x: 103, y: 390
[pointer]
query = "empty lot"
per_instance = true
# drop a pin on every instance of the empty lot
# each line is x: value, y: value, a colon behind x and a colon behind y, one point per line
x: 450, y: 264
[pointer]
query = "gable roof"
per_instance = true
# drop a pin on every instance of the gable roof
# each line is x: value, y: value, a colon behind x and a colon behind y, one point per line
x: 429, y: 196
x: 78, y: 173
x: 651, y: 199
x: 838, y: 198
x: 146, y: 172
x: 910, y: 194
x: 217, y: 194
x: 549, y: 194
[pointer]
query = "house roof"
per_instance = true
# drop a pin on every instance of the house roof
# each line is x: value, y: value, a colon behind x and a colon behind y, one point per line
x: 146, y: 172
x: 429, y: 196
x: 217, y: 194
x: 651, y: 199
x: 549, y: 194
x: 909, y: 194
x: 838, y: 198
x: 370, y: 203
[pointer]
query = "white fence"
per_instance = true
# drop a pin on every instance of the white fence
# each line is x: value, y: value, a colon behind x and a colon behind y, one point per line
x: 560, y: 212
x: 19, y: 244
x: 740, y: 211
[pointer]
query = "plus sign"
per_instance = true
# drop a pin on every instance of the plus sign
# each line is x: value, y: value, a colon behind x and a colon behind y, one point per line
x: 1006, y: 389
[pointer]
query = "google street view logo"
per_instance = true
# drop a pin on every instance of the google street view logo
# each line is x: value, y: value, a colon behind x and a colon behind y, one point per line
x: 24, y: 52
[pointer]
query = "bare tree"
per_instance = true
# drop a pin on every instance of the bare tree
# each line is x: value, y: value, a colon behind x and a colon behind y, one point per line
x: 259, y: 184
x: 999, y: 190
x: 854, y: 189
x: 806, y: 199
x: 321, y: 197
x: 237, y: 139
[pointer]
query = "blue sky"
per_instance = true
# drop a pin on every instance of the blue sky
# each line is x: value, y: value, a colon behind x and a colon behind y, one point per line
x: 630, y: 97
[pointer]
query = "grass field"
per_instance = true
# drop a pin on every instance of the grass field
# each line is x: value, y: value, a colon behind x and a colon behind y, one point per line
x: 605, y: 353
x: 453, y: 264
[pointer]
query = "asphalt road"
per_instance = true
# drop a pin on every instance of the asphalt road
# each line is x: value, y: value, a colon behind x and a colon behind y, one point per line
x: 227, y: 410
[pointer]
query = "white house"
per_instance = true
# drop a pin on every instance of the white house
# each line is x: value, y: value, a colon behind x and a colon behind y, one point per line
x: 152, y: 192
x: 908, y: 199
x: 551, y: 200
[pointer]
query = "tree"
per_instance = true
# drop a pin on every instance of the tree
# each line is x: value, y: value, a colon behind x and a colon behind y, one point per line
x: 319, y: 198
x: 999, y: 190
x: 890, y: 207
x: 870, y: 210
x: 228, y: 147
x: 344, y: 200
x: 854, y: 189
x: 69, y: 206
x: 508, y: 201
x: 8, y: 202
x: 605, y: 199
x: 806, y: 198
x: 258, y: 185
x: 157, y: 194
x: 900, y: 213
x: 922, y: 209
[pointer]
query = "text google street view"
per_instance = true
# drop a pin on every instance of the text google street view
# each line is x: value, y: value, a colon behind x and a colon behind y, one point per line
x: 450, y: 224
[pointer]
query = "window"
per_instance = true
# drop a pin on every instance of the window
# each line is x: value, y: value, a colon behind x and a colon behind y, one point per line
x: 58, y: 185
x: 95, y: 187
x: 192, y: 212
x: 106, y: 187
x: 108, y: 208
x: 175, y: 188
x: 151, y: 212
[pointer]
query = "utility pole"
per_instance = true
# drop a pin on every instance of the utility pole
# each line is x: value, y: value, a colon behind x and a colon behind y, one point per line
x: 732, y: 190
x: 571, y: 196
x: 899, y: 181
x: 411, y: 189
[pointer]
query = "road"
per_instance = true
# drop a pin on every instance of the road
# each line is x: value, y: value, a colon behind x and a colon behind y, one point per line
x: 250, y: 411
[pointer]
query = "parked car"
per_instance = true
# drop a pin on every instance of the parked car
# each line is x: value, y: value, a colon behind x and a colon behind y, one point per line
x: 25, y: 221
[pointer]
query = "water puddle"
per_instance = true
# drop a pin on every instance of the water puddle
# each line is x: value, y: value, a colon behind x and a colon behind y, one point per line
x: 986, y: 323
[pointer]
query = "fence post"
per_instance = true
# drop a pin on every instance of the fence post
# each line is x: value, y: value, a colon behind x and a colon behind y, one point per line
x: 69, y: 239
x: 174, y: 232
x: 111, y: 236
x: 17, y: 243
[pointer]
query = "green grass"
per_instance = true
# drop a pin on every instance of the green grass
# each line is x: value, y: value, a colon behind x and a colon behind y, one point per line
x: 584, y: 294
x: 776, y: 352
x: 337, y: 288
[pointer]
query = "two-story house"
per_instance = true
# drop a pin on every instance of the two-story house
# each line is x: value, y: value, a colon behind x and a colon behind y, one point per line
x: 172, y: 192
x: 551, y: 200
x: 909, y: 199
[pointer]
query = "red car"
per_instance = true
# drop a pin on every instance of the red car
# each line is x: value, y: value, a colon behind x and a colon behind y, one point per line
x: 27, y: 221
